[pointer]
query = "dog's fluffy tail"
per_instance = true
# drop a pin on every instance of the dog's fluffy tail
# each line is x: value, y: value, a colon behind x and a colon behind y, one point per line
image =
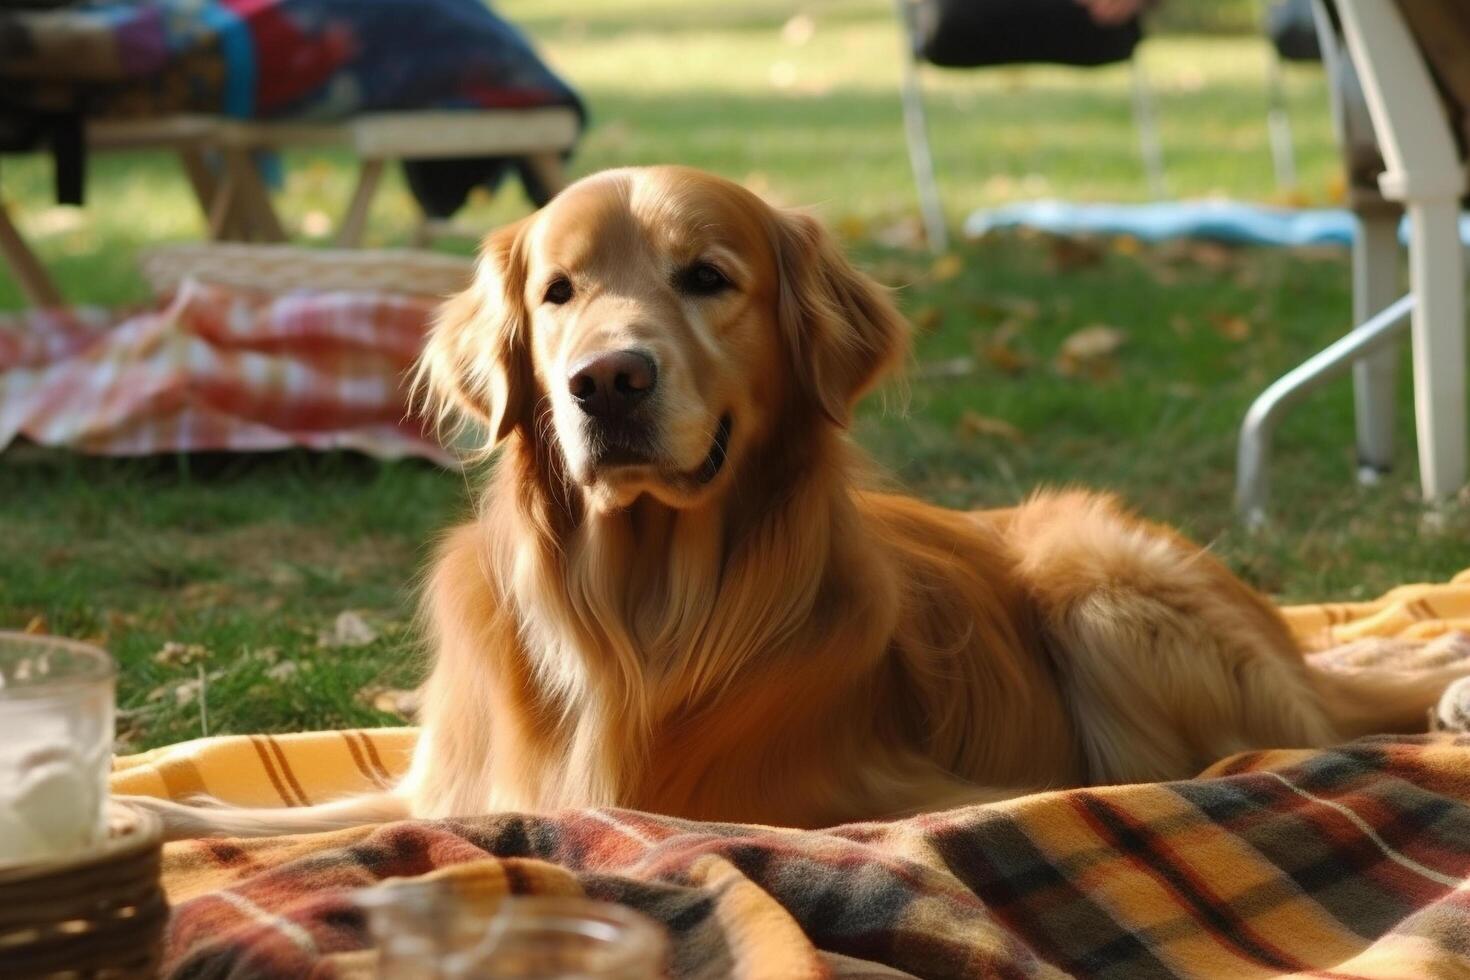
x: 182, y: 821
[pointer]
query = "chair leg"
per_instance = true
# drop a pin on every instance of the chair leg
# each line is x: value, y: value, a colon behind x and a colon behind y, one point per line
x: 1252, y: 473
x: 1437, y: 274
x: 916, y: 133
x: 1145, y: 118
x: 35, y: 283
x: 1425, y: 170
x: 1375, y: 285
x: 1278, y: 129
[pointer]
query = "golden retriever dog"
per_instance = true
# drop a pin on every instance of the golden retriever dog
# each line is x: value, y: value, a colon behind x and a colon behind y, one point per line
x: 681, y: 593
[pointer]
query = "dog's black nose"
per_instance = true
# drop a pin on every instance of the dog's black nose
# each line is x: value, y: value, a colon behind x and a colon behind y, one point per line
x: 607, y: 385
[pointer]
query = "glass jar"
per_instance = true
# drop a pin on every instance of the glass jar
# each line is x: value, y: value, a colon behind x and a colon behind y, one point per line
x: 56, y: 729
x: 438, y: 929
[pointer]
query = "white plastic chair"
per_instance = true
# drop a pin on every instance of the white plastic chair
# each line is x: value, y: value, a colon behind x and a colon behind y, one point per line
x: 921, y: 158
x: 1422, y: 175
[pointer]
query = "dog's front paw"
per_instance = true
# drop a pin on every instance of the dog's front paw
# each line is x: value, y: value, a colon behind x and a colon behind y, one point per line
x: 1452, y: 714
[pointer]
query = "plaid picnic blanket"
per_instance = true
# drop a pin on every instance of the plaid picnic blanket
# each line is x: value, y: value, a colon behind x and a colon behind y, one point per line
x: 1350, y: 862
x: 219, y: 369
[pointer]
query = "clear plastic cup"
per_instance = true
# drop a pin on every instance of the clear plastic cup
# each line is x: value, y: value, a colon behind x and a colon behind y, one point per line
x: 56, y: 730
x: 440, y: 930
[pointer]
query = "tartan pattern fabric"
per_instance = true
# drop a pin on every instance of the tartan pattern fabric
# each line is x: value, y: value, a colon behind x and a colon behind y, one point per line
x: 219, y: 369
x: 1349, y: 862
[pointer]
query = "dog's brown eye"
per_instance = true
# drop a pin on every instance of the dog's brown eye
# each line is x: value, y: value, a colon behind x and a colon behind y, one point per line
x: 703, y: 279
x: 558, y: 291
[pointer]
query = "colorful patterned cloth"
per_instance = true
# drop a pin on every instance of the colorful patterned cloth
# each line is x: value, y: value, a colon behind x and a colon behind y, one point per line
x: 219, y: 369
x: 1353, y: 862
x: 267, y: 59
x: 318, y: 60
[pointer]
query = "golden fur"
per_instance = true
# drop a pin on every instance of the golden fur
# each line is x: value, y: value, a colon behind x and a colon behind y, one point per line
x: 777, y: 644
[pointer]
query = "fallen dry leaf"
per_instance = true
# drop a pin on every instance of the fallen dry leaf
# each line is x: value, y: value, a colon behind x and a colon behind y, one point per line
x: 1070, y: 254
x: 117, y: 621
x: 851, y: 227
x: 1006, y: 360
x: 1092, y: 342
x: 1292, y: 197
x: 1090, y: 351
x: 995, y: 349
x: 1127, y: 245
x: 906, y: 232
x: 180, y: 654
x: 197, y: 594
x: 1022, y: 308
x: 1211, y: 255
x: 946, y: 267
x: 187, y: 692
x: 928, y: 319
x: 266, y: 655
x: 283, y: 671
x: 391, y: 701
x: 348, y: 630
x: 1231, y: 326
x: 975, y: 424
x: 132, y: 728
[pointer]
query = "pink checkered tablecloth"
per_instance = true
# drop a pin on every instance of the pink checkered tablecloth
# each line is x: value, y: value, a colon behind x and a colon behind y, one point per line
x: 219, y: 369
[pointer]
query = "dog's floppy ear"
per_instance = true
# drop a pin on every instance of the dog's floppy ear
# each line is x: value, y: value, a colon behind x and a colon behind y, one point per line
x: 477, y: 359
x: 842, y: 329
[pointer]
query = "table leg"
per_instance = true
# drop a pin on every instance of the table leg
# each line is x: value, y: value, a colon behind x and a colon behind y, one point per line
x: 251, y: 198
x: 354, y: 223
x: 548, y: 169
x: 201, y: 177
x: 35, y: 283
x: 224, y: 225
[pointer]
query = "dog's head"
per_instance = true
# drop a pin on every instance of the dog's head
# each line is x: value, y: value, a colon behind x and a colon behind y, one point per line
x: 659, y: 326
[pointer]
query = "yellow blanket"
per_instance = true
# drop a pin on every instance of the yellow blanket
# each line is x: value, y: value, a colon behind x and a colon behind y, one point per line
x: 1352, y: 861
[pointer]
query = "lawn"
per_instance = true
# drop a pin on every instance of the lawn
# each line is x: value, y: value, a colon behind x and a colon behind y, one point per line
x: 221, y: 583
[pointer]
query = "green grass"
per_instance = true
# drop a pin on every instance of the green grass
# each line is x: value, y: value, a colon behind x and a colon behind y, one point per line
x: 253, y: 558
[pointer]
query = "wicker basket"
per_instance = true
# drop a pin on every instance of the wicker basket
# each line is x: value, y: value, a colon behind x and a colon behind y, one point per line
x: 101, y: 915
x: 286, y: 268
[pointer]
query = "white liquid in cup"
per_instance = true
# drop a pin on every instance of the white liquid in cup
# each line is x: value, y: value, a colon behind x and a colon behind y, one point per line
x: 56, y: 727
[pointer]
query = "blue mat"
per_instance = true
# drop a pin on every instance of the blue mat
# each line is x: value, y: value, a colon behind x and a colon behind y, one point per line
x: 1227, y: 221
